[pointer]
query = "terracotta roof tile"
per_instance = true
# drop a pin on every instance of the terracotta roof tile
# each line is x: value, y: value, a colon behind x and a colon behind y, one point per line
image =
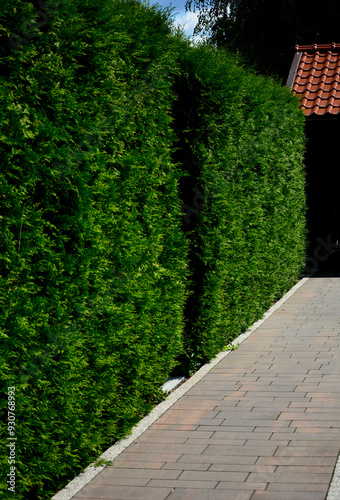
x: 315, y: 77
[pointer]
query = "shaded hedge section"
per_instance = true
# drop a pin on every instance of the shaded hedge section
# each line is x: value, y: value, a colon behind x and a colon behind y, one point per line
x: 240, y: 139
x: 152, y: 207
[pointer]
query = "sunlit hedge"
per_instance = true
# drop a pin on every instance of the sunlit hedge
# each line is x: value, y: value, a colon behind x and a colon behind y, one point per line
x: 93, y: 261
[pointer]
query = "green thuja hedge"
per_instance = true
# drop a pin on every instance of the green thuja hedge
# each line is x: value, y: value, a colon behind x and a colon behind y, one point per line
x: 93, y: 259
x: 143, y: 182
x: 241, y: 143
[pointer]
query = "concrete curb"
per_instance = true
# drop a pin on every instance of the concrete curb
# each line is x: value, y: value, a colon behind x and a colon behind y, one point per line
x: 111, y: 453
x: 334, y: 489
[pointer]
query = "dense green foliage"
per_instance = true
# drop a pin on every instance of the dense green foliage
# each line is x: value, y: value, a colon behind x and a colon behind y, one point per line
x: 265, y: 31
x: 241, y: 142
x: 93, y: 261
x: 110, y: 123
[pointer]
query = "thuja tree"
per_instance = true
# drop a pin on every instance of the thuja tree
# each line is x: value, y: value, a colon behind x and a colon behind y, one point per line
x: 93, y: 261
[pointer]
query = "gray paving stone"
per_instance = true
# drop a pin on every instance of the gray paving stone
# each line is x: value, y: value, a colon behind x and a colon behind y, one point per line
x: 190, y: 494
x: 122, y: 493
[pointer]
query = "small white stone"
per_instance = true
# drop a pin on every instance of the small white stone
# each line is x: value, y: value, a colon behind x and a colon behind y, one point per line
x: 171, y: 383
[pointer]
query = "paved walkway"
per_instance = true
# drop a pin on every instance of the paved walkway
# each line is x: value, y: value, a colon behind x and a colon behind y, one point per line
x: 263, y: 424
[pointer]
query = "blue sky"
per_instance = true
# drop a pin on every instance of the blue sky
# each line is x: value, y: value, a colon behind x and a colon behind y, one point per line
x: 188, y: 19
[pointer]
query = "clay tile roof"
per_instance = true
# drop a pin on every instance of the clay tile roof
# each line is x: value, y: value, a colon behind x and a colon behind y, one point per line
x: 315, y: 77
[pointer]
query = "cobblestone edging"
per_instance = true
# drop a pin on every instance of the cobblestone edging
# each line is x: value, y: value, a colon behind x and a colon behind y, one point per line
x: 111, y: 453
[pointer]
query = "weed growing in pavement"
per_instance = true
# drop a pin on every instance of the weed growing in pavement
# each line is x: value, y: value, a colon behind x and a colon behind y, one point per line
x: 102, y: 462
x: 231, y: 347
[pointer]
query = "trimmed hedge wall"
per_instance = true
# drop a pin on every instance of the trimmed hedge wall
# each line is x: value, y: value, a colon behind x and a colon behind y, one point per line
x: 93, y: 259
x: 152, y: 207
x: 241, y: 143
